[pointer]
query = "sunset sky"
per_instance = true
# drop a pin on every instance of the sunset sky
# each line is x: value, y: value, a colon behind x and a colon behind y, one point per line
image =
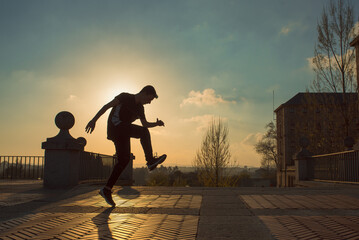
x: 205, y: 58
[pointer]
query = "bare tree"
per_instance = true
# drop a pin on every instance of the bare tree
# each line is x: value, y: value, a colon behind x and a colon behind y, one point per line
x: 214, y: 156
x: 334, y: 62
x: 267, y: 148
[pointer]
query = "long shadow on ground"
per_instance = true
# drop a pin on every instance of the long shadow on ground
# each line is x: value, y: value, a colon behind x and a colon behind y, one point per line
x: 128, y: 192
x: 102, y: 222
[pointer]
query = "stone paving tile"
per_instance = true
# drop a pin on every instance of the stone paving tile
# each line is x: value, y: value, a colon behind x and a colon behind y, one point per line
x: 11, y: 199
x: 149, y: 201
x: 295, y: 225
x: 300, y: 201
x: 106, y: 225
x: 313, y: 227
x: 90, y: 218
x: 183, y: 213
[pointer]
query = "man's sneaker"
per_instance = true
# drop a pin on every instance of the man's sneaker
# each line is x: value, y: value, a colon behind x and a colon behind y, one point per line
x: 106, y: 194
x: 152, y: 164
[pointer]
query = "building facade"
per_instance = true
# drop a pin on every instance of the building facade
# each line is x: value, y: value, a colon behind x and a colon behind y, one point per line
x: 325, y: 119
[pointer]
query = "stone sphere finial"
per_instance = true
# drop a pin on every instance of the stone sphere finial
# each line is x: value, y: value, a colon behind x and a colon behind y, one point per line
x: 64, y: 120
x: 349, y: 142
x: 303, y: 142
x: 82, y: 141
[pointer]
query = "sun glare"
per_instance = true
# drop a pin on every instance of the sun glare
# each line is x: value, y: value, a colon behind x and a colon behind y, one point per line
x: 118, y: 85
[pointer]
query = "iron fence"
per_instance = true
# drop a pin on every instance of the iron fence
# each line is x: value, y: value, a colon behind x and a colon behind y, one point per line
x: 95, y: 166
x: 92, y: 167
x: 21, y: 167
x: 343, y: 166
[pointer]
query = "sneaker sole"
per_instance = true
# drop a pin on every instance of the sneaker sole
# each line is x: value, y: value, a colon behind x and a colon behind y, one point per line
x: 160, y: 160
x: 103, y: 195
x: 163, y: 159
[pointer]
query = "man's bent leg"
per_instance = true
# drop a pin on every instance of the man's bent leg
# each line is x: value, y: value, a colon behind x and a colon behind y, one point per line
x: 144, y: 135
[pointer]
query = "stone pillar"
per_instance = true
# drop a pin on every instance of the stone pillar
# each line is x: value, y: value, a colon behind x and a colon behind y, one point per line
x: 303, y: 164
x: 62, y: 154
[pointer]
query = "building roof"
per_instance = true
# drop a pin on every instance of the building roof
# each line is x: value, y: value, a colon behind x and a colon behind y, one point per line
x: 301, y: 98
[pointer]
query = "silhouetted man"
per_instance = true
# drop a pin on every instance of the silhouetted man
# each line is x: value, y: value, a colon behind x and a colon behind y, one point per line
x: 126, y: 108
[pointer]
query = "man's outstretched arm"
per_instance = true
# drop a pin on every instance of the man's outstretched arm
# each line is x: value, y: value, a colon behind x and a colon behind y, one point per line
x: 91, y: 125
x: 151, y: 124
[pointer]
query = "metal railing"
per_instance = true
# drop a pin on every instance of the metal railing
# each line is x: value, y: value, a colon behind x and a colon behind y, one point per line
x: 21, y: 167
x: 343, y: 166
x: 95, y: 166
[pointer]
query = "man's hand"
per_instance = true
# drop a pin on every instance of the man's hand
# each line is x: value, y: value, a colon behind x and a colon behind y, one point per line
x: 90, y: 126
x: 160, y: 123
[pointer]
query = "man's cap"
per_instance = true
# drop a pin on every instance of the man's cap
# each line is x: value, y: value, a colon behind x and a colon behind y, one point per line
x: 149, y: 90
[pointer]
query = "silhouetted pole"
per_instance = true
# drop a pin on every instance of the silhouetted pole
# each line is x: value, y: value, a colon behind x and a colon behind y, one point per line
x: 62, y: 154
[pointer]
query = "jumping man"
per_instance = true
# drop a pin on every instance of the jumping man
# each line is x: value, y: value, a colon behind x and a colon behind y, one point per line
x: 126, y: 108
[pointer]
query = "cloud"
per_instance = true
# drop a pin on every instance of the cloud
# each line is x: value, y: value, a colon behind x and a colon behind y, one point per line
x: 207, y: 98
x: 161, y: 132
x: 71, y: 97
x: 252, y: 139
x: 325, y: 60
x: 355, y: 30
x: 291, y: 27
x: 202, y: 121
x: 285, y: 30
x: 311, y: 64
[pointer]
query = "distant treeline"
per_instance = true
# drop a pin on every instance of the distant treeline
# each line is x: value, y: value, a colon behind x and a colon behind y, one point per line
x: 187, y: 176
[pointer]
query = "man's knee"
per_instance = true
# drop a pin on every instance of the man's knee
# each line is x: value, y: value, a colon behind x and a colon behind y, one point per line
x: 123, y: 160
x: 145, y: 133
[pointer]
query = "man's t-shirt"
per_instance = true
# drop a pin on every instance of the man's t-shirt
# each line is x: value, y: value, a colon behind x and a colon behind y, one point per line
x: 126, y: 112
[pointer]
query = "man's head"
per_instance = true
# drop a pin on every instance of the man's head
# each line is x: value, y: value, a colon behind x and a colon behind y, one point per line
x: 147, y: 94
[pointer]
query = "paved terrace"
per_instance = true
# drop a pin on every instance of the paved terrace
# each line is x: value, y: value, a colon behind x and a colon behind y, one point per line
x: 27, y: 211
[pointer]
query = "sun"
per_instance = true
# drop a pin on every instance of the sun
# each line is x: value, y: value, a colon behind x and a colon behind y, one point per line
x: 117, y: 85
